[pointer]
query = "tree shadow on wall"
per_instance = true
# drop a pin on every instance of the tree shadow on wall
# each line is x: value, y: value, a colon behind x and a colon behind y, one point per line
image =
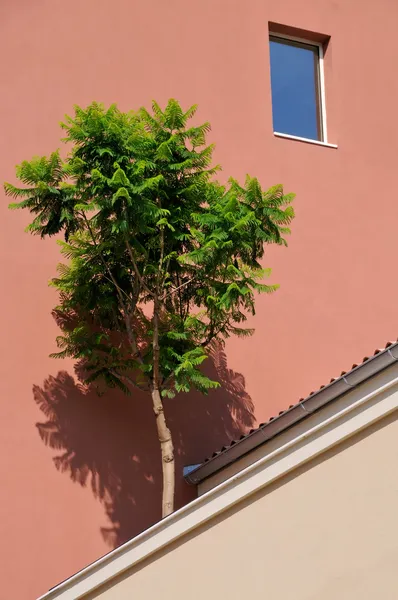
x: 109, y: 442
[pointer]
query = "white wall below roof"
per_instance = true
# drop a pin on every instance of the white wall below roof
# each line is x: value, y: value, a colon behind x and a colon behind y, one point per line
x: 326, y: 531
x: 154, y: 558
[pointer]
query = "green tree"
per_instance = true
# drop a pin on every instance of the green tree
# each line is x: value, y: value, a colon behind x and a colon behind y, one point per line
x: 162, y: 261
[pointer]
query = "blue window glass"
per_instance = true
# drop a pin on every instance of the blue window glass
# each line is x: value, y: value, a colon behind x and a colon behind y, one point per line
x: 295, y: 88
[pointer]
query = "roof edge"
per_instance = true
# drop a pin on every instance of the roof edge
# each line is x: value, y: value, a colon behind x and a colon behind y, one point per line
x: 303, y: 409
x: 316, y: 439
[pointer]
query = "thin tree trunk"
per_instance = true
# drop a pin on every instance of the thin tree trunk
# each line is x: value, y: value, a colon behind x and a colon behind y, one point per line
x: 166, y: 445
x: 164, y: 433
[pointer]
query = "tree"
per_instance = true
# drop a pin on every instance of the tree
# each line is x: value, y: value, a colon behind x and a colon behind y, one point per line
x: 162, y: 261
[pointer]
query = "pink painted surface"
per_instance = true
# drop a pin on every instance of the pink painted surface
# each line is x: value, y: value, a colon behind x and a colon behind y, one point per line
x: 338, y: 296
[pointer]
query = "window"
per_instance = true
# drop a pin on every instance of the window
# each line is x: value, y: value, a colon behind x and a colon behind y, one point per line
x: 297, y: 88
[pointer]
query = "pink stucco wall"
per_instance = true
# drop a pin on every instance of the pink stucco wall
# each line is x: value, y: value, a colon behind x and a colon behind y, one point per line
x: 338, y: 296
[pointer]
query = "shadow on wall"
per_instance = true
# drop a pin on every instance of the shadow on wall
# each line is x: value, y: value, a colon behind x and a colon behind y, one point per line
x: 109, y: 442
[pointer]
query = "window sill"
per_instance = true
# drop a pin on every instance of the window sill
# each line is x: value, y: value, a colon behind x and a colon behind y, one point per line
x: 305, y: 140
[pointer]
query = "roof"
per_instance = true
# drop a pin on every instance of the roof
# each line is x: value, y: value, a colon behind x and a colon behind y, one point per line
x: 337, y: 387
x: 370, y: 404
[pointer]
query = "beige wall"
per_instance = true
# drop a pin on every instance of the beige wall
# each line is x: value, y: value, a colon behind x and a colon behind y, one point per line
x: 327, y: 531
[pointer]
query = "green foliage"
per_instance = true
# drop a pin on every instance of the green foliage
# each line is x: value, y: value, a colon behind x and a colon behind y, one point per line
x: 149, y: 231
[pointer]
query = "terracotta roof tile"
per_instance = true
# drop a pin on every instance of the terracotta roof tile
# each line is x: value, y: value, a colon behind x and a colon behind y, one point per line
x: 262, y: 425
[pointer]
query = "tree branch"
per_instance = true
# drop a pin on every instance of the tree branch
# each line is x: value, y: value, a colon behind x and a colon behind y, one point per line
x: 159, y: 284
x: 178, y: 288
x: 115, y: 283
x: 138, y: 274
x: 129, y: 330
x: 213, y: 334
x: 128, y: 380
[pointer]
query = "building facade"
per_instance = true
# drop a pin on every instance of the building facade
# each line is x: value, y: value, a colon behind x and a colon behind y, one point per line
x: 80, y: 474
x: 308, y: 513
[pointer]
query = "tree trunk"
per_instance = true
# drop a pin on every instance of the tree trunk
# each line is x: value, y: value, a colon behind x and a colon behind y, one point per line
x: 164, y: 433
x: 167, y: 450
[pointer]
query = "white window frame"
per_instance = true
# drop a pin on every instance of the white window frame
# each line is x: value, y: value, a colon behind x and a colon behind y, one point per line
x: 322, y: 94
